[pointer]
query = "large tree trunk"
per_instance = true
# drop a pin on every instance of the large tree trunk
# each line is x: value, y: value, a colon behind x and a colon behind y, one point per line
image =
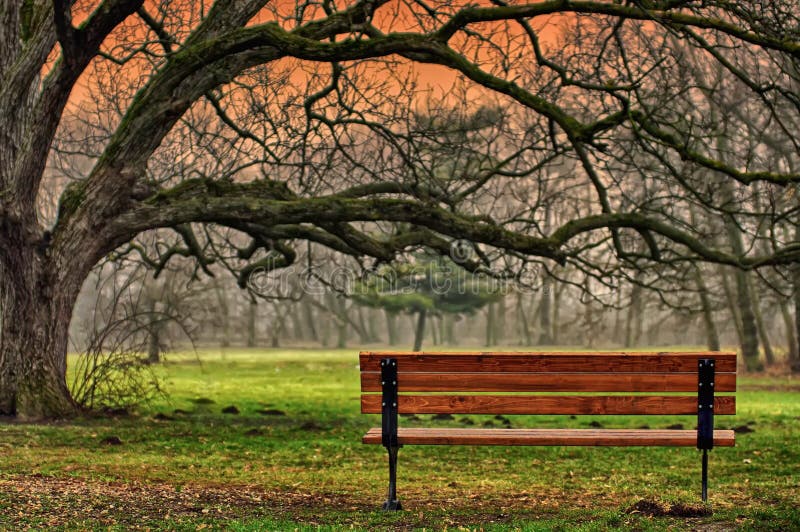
x: 36, y: 308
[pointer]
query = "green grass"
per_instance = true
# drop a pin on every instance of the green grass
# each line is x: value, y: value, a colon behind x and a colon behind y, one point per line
x: 307, y: 469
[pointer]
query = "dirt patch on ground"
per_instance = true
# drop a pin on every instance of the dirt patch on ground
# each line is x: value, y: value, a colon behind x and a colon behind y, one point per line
x: 69, y: 502
x: 56, y: 502
x: 40, y: 501
x: 652, y: 508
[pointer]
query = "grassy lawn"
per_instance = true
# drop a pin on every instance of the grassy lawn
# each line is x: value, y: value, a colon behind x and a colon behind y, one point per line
x: 292, y: 459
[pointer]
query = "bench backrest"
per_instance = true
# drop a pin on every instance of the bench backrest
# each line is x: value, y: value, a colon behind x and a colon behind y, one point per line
x: 511, y: 383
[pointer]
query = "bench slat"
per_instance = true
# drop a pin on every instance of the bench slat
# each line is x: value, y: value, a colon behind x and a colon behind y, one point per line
x: 548, y: 404
x: 555, y: 362
x: 547, y: 382
x: 571, y: 437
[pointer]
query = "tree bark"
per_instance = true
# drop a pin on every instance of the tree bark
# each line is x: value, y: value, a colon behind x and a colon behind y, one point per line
x: 36, y: 309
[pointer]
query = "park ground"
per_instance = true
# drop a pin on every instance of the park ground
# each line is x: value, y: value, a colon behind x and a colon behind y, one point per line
x: 288, y: 456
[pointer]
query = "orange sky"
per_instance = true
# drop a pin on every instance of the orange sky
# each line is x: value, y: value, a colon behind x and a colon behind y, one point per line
x: 391, y: 17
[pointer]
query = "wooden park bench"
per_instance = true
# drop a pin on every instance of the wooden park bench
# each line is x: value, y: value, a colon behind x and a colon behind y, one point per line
x: 501, y: 383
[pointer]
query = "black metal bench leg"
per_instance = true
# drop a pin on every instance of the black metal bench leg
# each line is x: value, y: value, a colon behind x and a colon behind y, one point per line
x: 705, y: 414
x: 705, y: 475
x: 392, y: 504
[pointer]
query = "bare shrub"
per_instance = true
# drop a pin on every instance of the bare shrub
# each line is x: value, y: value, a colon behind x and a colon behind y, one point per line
x: 113, y: 372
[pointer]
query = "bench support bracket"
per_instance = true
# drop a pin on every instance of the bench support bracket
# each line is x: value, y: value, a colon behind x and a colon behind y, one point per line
x: 389, y: 409
x: 705, y: 415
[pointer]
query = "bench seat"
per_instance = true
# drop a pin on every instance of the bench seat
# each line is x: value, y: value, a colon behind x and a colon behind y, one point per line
x: 540, y: 437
